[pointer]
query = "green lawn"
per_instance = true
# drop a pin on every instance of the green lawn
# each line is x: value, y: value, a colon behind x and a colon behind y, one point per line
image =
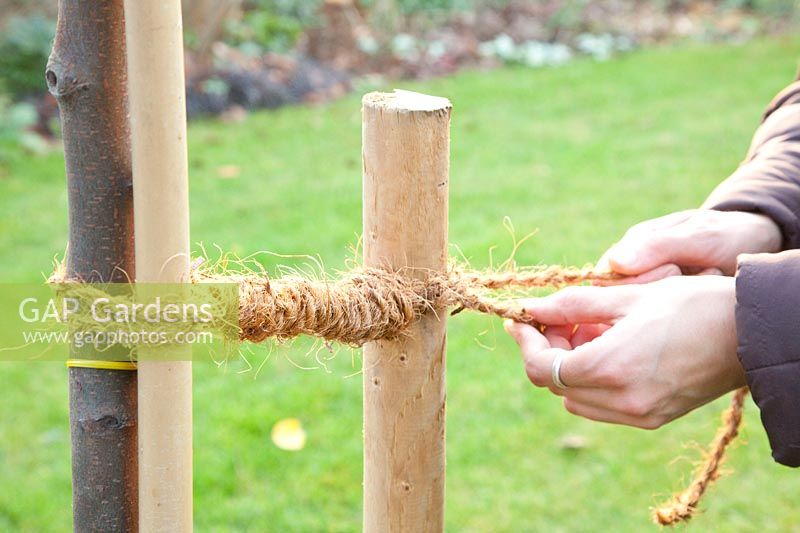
x: 581, y: 153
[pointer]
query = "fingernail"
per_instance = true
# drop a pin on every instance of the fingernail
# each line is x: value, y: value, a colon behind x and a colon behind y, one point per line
x: 511, y: 328
x: 623, y: 256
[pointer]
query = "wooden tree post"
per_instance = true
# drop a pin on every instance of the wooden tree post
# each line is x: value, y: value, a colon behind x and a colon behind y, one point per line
x: 86, y: 74
x: 406, y: 151
x: 161, y: 204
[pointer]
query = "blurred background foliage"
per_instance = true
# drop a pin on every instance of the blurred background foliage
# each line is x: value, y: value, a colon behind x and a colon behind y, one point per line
x: 249, y: 54
x: 259, y: 26
x: 24, y: 46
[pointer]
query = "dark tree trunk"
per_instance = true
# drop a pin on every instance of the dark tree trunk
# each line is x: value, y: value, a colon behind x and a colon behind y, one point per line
x: 87, y: 75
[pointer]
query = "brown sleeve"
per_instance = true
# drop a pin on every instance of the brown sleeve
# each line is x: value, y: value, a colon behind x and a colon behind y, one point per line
x: 768, y: 328
x: 768, y: 181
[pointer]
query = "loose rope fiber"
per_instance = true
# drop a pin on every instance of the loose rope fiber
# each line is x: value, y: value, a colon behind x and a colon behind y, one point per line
x: 681, y: 507
x: 369, y: 304
x: 372, y: 304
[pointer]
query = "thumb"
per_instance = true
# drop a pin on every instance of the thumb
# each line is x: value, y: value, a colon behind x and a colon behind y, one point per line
x: 640, y: 249
x: 642, y: 253
x: 527, y: 337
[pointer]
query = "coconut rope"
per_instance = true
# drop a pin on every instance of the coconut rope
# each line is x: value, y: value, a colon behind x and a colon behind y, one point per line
x: 369, y: 304
x: 681, y: 507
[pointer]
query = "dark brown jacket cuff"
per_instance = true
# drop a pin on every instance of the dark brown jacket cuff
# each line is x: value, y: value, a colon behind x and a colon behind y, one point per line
x: 768, y: 181
x: 768, y: 328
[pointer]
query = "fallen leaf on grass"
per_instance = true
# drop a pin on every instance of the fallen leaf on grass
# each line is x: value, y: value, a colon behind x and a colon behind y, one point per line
x: 288, y: 434
x: 573, y: 442
x: 228, y: 171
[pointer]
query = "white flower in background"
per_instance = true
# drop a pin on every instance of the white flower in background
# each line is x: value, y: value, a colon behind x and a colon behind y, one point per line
x: 437, y: 49
x: 486, y: 49
x: 533, y: 54
x: 505, y: 48
x: 368, y: 44
x: 558, y: 54
x: 539, y: 54
x: 601, y: 47
x: 405, y: 46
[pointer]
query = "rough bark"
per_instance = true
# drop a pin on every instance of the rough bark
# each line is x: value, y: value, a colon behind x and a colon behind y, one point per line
x: 87, y: 75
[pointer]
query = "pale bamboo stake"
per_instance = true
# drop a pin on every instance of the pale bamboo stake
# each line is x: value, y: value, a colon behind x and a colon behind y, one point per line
x: 161, y: 215
x: 406, y: 148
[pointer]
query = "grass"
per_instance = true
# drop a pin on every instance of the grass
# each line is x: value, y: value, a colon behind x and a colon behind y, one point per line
x: 580, y: 153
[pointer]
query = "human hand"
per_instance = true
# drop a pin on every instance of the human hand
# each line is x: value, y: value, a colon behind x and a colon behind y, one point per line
x: 639, y: 355
x: 697, y: 241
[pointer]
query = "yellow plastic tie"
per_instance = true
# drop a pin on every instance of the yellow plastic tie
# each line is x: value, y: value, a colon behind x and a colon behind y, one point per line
x: 103, y: 365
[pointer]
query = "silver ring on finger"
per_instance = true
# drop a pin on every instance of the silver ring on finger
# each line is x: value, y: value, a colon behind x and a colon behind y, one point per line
x: 555, y: 372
